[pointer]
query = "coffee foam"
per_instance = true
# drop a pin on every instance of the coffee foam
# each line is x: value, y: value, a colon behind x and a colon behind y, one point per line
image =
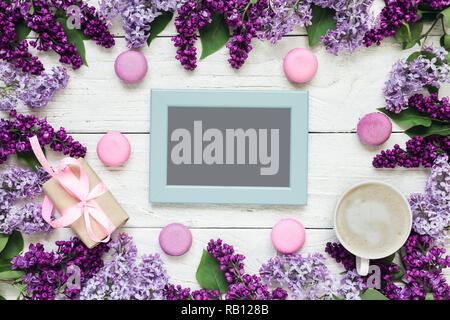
x: 372, y: 220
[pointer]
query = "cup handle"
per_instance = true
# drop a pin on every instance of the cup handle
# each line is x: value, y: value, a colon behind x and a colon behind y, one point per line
x: 362, y: 266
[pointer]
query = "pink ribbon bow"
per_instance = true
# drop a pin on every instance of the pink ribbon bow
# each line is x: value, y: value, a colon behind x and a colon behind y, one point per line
x: 78, y: 188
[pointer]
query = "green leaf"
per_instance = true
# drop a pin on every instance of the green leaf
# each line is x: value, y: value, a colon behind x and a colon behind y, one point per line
x: 399, y: 274
x: 439, y: 128
x: 445, y: 41
x: 335, y: 297
x: 214, y: 35
x: 11, y: 275
x: 2, y: 298
x: 5, y: 265
x: 13, y: 247
x: 3, y: 241
x: 372, y: 294
x: 427, y: 54
x: 209, y: 275
x: 159, y: 24
x: 22, y: 30
x: 322, y: 21
x: 408, y: 117
x: 76, y: 37
x: 409, y: 34
x: 388, y: 259
x: 29, y: 158
x: 429, y: 296
x: 445, y: 14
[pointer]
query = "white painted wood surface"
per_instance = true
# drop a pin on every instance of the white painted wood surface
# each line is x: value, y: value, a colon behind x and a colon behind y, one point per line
x: 344, y: 89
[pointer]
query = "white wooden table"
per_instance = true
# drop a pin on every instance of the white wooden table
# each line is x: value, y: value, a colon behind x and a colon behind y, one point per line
x: 344, y: 89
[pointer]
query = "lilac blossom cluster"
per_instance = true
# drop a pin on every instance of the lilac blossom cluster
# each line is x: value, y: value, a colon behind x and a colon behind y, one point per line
x: 15, y: 132
x: 136, y: 16
x: 424, y: 264
x: 353, y: 20
x: 307, y: 278
x: 242, y: 286
x: 431, y: 211
x: 92, y: 23
x: 407, y: 79
x: 418, y: 151
x: 341, y: 255
x: 172, y: 292
x: 394, y: 14
x: 40, y: 16
x: 431, y: 106
x: 123, y: 278
x: 283, y: 17
x: 11, y: 49
x: 34, y: 91
x: 17, y: 186
x: 244, y: 17
x: 47, y: 273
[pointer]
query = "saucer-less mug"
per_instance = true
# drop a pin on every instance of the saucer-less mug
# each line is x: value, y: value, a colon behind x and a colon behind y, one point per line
x: 362, y: 258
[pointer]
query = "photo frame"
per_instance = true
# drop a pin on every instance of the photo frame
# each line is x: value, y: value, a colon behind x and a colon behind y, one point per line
x: 229, y: 147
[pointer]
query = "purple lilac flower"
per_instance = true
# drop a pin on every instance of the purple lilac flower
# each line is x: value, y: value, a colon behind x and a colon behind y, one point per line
x: 15, y: 132
x: 11, y: 49
x: 136, y: 15
x: 242, y: 286
x: 407, y: 79
x: 419, y: 151
x: 172, y: 292
x: 191, y: 18
x: 123, y: 279
x: 19, y: 184
x: 283, y: 17
x: 431, y: 106
x: 391, y: 18
x: 35, y: 91
x: 92, y: 23
x: 307, y: 277
x: 47, y: 272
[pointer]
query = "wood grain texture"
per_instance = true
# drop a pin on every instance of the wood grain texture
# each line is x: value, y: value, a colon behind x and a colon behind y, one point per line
x: 344, y: 89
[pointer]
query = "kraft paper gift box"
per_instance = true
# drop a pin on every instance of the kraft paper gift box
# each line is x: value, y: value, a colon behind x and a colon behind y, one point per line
x: 63, y: 200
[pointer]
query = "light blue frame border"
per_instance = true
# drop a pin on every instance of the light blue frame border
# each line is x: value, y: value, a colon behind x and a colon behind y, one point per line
x: 297, y: 101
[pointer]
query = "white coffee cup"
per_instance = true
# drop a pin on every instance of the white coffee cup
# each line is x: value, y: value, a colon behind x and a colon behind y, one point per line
x: 372, y: 220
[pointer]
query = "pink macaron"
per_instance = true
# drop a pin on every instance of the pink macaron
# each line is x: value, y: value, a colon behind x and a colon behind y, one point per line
x: 175, y: 239
x: 131, y: 66
x: 113, y: 149
x: 288, y: 235
x: 300, y: 65
x: 374, y: 129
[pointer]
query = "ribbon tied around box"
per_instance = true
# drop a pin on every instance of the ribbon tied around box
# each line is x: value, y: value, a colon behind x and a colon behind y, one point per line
x: 78, y: 188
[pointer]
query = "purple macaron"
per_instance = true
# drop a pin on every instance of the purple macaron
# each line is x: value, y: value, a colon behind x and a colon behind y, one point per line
x: 131, y: 66
x: 374, y: 129
x: 175, y: 239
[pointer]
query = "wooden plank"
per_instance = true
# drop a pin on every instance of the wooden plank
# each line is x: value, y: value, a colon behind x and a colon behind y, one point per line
x: 97, y: 101
x: 254, y: 244
x: 336, y: 161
